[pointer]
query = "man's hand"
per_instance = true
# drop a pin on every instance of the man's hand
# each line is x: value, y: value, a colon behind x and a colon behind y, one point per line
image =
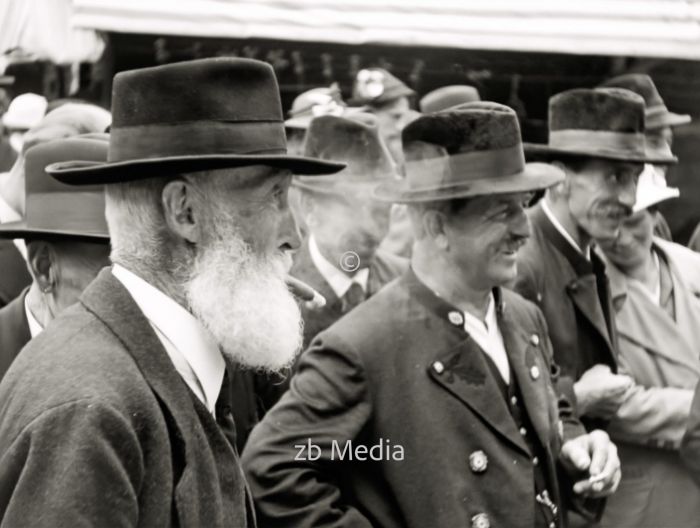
x: 599, y: 392
x: 594, y: 455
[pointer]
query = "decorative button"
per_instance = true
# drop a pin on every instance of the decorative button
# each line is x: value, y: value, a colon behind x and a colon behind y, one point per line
x: 539, y: 297
x: 478, y: 461
x: 552, y: 525
x: 456, y: 318
x: 535, y: 372
x: 535, y: 339
x: 438, y: 367
x: 481, y: 520
x: 523, y: 431
x: 514, y: 400
x: 536, y: 461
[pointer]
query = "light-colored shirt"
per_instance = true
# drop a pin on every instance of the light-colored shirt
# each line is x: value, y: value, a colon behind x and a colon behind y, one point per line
x: 488, y: 336
x: 337, y: 279
x: 557, y: 225
x: 35, y: 327
x: 191, y: 347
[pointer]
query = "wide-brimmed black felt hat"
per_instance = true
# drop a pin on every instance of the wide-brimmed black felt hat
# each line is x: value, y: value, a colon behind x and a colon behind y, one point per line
x: 472, y: 149
x: 193, y: 116
x: 602, y: 123
x: 54, y: 208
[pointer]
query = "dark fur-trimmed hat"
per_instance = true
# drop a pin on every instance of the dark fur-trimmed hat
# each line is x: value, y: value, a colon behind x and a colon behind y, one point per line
x: 605, y: 123
x: 353, y: 140
x: 468, y: 150
x: 656, y: 114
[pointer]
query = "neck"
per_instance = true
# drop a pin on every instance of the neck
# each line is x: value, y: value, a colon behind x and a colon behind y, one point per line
x: 442, y: 278
x: 38, y: 305
x: 562, y: 213
x: 161, y: 280
x: 645, y: 272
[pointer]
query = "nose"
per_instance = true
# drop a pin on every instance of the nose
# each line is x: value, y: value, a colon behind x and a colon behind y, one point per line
x: 627, y: 193
x: 290, y: 237
x: 520, y: 225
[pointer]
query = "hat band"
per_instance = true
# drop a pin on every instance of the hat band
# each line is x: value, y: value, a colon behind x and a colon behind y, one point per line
x: 79, y: 212
x: 605, y: 140
x: 655, y: 110
x: 459, y: 169
x: 200, y: 138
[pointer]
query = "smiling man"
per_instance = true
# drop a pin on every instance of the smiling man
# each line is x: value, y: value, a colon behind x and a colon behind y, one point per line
x: 117, y: 413
x: 597, y: 138
x: 421, y: 406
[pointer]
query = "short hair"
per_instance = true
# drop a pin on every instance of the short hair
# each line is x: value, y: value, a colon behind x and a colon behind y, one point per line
x: 72, y: 263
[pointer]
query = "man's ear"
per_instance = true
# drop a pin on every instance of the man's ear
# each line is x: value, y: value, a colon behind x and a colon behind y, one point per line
x: 561, y: 189
x: 181, y: 208
x: 435, y: 227
x: 42, y: 263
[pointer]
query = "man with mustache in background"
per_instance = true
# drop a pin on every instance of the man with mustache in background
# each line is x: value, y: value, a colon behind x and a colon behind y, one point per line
x: 116, y: 414
x: 597, y: 138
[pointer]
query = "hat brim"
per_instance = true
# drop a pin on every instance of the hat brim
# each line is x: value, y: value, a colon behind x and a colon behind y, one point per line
x: 20, y: 229
x: 535, y: 177
x: 301, y: 123
x: 668, y: 119
x: 95, y: 173
x: 538, y: 152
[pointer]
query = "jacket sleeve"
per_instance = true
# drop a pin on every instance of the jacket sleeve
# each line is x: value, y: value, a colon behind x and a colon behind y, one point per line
x: 690, y: 445
x: 652, y: 416
x: 291, y: 459
x: 77, y: 464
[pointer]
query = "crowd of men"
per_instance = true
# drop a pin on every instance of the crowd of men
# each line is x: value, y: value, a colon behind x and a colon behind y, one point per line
x: 365, y: 315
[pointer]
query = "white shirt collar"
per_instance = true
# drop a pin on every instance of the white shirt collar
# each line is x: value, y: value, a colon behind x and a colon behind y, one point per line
x: 183, y: 337
x: 338, y: 281
x: 35, y: 327
x: 488, y: 336
x: 562, y: 230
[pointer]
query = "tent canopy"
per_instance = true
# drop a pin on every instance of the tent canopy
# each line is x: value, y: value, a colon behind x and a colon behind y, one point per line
x: 643, y: 28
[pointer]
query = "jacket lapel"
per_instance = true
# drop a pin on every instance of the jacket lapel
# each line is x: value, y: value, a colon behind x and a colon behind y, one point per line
x: 648, y: 325
x: 466, y: 377
x: 114, y: 306
x: 524, y: 355
x: 584, y: 294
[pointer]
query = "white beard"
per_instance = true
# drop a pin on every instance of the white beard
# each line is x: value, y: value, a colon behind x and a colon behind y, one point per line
x: 242, y: 299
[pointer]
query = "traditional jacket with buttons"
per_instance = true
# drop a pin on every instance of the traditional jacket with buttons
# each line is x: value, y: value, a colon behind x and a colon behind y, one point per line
x: 400, y: 370
x: 574, y: 296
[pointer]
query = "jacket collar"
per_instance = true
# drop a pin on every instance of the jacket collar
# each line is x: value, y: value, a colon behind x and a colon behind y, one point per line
x: 111, y: 303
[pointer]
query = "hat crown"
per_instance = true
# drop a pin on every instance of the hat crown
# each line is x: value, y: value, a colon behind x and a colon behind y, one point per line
x: 448, y: 96
x: 353, y: 140
x: 600, y: 109
x: 88, y: 147
x: 639, y: 83
x: 218, y: 89
x: 469, y: 127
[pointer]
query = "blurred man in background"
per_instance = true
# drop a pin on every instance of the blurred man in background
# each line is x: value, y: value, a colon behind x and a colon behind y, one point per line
x: 658, y: 127
x: 654, y: 286
x: 65, y: 231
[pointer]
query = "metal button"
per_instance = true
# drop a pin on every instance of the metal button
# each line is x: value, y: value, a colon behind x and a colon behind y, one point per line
x: 534, y: 372
x: 536, y: 461
x: 438, y: 367
x: 539, y: 297
x: 535, y: 339
x: 456, y: 318
x: 478, y: 461
x: 481, y: 520
x: 523, y: 431
x: 552, y: 525
x: 514, y: 400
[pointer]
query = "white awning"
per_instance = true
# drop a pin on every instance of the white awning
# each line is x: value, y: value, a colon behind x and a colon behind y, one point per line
x: 43, y: 29
x: 646, y: 28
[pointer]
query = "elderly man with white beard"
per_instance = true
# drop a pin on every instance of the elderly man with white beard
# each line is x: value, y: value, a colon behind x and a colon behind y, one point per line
x: 116, y: 415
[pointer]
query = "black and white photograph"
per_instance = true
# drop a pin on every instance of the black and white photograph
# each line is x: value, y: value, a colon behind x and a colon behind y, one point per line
x: 349, y: 264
